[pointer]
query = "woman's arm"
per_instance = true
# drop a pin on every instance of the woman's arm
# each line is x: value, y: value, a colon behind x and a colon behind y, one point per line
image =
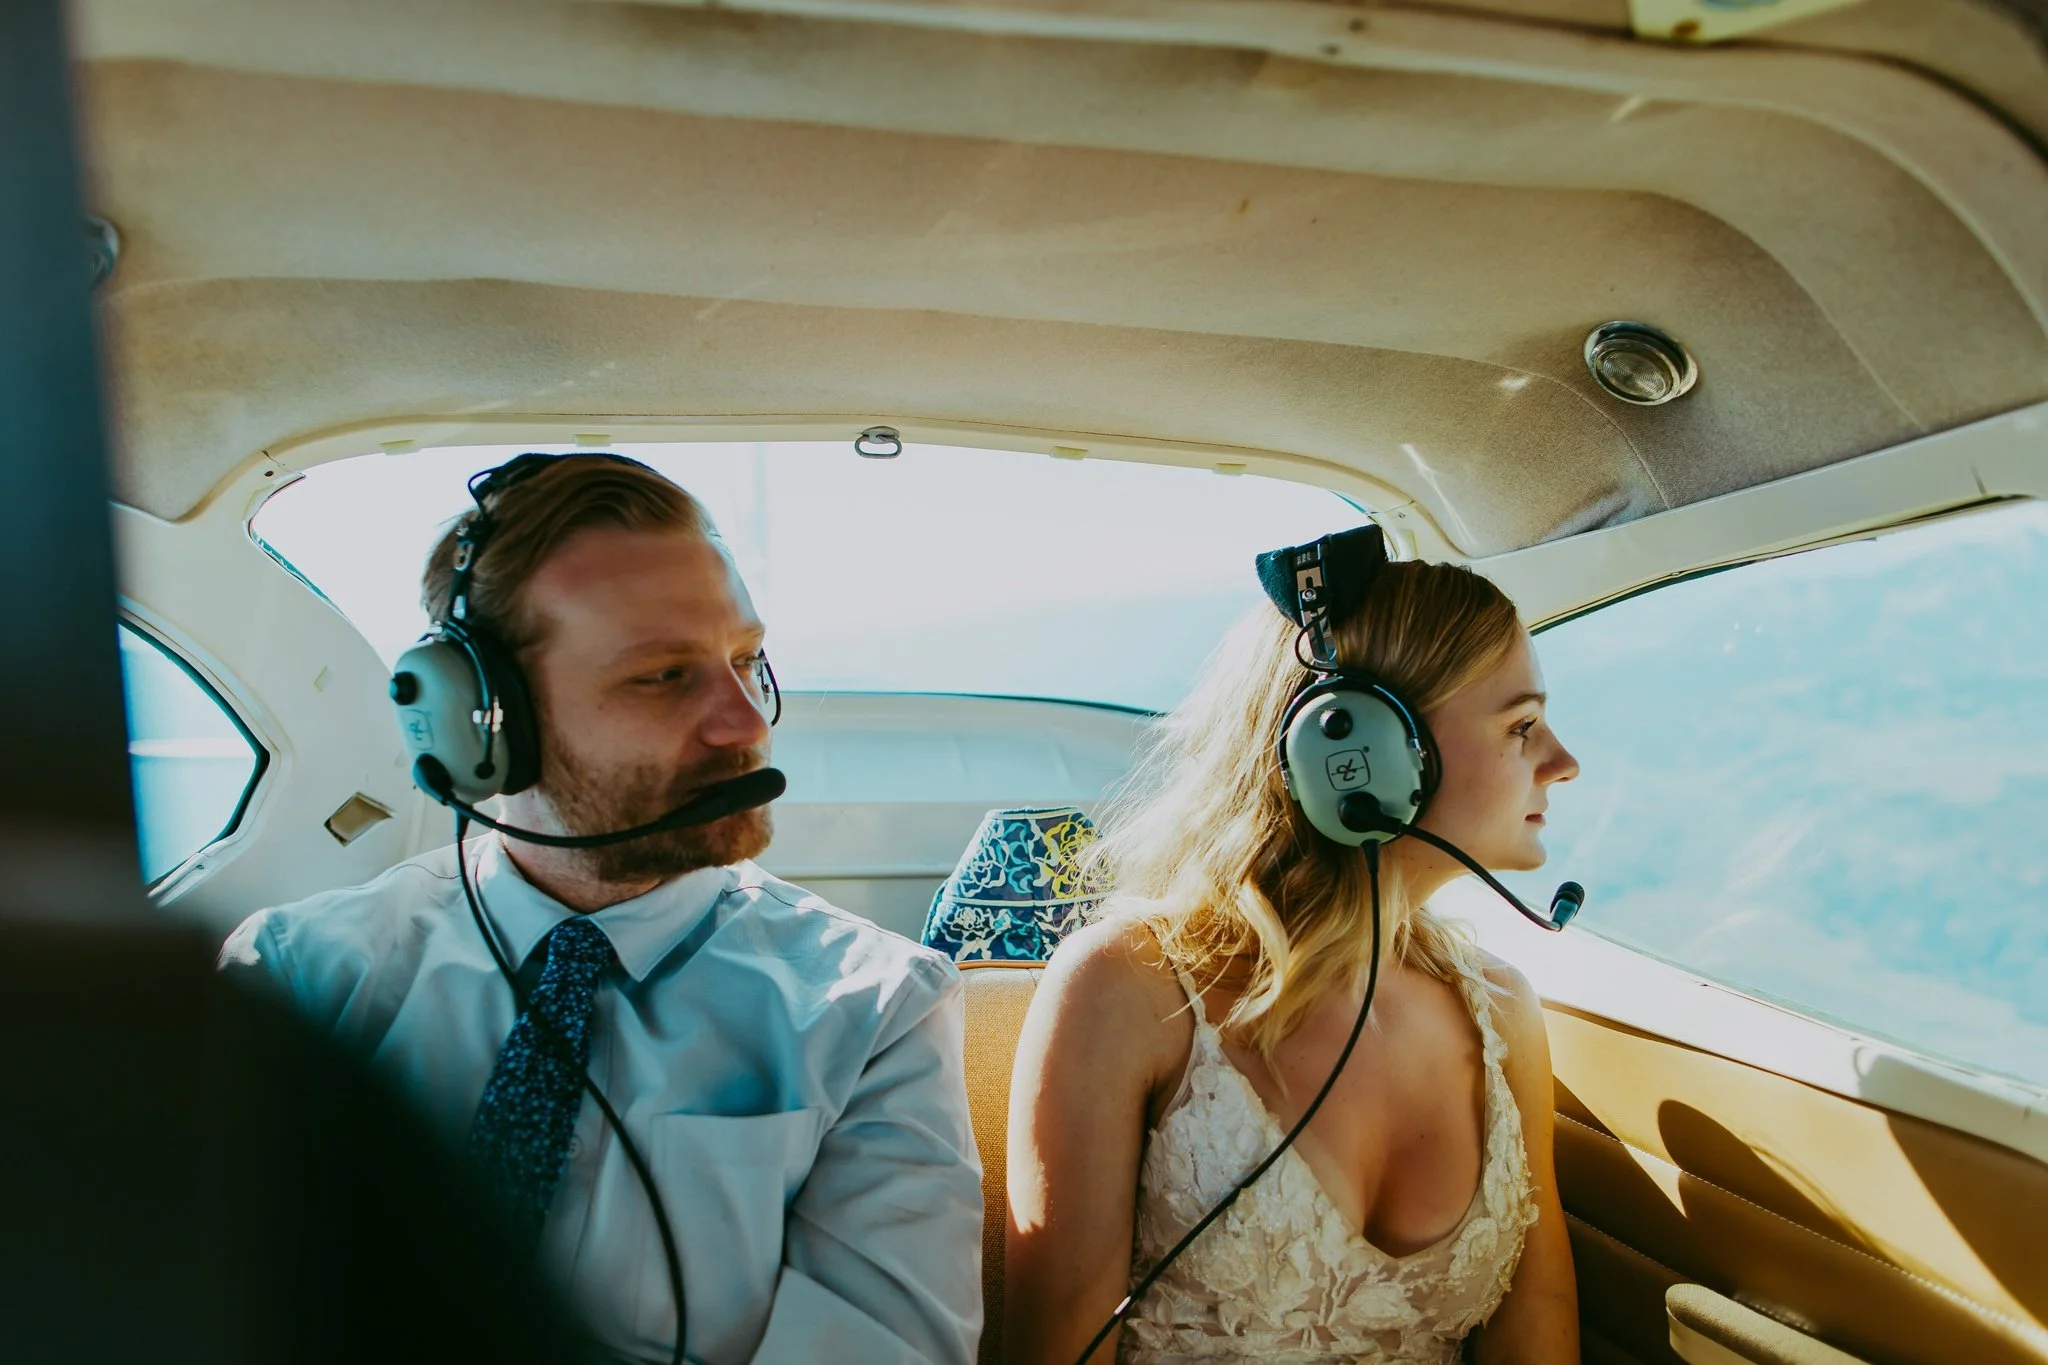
x: 1106, y: 1029
x: 1538, y: 1322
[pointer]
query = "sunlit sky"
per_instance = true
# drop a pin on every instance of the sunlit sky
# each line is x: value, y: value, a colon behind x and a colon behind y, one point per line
x: 944, y: 570
x: 1825, y: 778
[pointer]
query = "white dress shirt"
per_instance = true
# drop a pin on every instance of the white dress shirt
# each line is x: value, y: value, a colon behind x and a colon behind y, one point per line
x: 792, y: 1073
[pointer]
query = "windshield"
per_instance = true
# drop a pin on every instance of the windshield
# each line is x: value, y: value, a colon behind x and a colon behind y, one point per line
x: 942, y: 570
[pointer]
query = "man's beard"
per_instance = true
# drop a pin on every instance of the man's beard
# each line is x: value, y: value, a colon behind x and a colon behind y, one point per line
x: 589, y: 802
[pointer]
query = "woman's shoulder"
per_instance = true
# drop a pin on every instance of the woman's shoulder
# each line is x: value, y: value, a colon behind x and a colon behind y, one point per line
x: 1116, y: 959
x: 1510, y: 987
x: 1518, y: 1016
x: 1112, y: 979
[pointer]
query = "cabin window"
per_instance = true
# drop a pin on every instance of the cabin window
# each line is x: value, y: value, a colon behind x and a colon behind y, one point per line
x: 942, y: 570
x: 193, y: 763
x: 1823, y: 779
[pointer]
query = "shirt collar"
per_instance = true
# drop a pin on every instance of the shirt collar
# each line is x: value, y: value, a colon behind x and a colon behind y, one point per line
x: 643, y: 931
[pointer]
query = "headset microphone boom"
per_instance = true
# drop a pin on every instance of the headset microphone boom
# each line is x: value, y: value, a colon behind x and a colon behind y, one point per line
x: 714, y: 802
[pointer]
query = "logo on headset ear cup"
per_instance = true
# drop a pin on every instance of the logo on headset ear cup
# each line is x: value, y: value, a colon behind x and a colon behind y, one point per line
x: 1348, y: 769
x: 1354, y: 758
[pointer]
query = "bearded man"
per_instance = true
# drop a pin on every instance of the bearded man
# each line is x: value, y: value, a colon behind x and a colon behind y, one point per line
x: 792, y: 1074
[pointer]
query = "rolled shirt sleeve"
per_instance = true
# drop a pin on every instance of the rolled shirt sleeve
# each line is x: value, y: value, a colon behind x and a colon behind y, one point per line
x: 881, y: 1248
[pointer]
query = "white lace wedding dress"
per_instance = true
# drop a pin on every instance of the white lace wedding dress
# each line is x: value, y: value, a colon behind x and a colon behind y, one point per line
x: 1280, y: 1279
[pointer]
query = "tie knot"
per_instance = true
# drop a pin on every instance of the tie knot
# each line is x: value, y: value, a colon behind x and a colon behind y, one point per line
x: 577, y: 951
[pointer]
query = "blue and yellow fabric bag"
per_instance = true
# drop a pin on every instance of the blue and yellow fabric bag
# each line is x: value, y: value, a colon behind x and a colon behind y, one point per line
x: 1018, y: 889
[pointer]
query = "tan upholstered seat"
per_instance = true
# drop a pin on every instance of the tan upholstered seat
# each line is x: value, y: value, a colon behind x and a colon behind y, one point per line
x: 997, y: 995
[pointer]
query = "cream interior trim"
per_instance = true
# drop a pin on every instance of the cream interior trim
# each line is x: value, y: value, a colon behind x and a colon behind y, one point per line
x: 1580, y: 971
x: 2002, y: 457
x: 1713, y: 1329
x: 302, y: 678
x: 1984, y: 46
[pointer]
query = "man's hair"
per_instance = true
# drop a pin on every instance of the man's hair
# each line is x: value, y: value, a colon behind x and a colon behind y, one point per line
x: 533, y: 517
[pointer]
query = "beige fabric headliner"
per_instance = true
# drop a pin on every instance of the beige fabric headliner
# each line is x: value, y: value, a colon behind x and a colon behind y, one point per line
x: 1977, y: 45
x: 594, y: 209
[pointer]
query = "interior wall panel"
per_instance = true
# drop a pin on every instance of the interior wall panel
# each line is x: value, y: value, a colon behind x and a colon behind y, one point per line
x: 1893, y: 1238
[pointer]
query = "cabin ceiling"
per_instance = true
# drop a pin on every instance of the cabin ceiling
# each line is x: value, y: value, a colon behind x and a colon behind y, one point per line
x: 1370, y: 236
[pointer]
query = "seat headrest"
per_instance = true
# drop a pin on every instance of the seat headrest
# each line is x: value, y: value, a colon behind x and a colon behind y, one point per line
x: 1019, y: 889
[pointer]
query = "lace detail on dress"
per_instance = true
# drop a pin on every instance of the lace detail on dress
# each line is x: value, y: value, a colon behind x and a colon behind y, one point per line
x: 1280, y: 1277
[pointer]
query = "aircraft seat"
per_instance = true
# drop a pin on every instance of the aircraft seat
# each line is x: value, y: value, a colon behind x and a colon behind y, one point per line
x: 998, y: 993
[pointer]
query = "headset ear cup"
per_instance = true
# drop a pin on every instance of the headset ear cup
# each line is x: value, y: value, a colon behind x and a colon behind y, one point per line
x: 1432, y: 765
x: 436, y: 688
x: 519, y: 731
x: 1355, y: 758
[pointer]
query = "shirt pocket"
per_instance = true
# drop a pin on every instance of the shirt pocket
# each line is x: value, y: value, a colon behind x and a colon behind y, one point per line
x: 727, y: 1184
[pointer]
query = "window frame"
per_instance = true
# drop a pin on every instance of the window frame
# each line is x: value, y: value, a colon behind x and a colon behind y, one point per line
x: 1879, y: 531
x: 146, y: 631
x: 1806, y: 1012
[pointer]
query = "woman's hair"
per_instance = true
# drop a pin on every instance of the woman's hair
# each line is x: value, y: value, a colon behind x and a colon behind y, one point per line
x: 1205, y: 848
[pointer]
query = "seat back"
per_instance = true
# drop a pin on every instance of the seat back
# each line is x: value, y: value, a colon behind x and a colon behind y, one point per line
x: 998, y: 993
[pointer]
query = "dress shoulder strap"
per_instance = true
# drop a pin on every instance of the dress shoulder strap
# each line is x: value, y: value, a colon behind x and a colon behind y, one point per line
x: 1481, y: 999
x: 1194, y: 994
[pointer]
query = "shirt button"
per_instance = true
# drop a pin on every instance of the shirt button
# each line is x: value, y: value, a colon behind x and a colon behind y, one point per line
x: 575, y: 1147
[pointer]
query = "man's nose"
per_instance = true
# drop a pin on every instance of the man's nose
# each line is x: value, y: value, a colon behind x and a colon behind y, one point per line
x: 734, y: 719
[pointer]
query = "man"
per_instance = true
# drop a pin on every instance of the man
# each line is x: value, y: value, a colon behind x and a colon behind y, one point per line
x: 792, y: 1074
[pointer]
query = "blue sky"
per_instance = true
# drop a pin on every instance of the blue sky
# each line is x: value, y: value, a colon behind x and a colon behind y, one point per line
x: 1825, y: 778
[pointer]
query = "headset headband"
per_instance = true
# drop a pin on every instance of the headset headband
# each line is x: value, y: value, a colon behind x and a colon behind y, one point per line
x: 1312, y: 584
x: 478, y: 526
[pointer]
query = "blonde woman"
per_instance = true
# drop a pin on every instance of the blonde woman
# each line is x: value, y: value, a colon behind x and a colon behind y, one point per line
x: 1174, y: 1043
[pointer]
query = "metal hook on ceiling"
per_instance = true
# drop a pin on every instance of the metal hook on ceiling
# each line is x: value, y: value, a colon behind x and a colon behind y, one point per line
x: 879, y: 443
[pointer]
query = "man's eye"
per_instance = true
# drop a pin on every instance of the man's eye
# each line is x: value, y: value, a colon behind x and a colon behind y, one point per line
x: 664, y: 678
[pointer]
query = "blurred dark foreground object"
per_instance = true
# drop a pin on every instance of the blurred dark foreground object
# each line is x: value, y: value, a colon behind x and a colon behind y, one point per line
x: 187, y: 1173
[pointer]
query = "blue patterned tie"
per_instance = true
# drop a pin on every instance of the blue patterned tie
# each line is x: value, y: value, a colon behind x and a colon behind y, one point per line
x: 520, y: 1136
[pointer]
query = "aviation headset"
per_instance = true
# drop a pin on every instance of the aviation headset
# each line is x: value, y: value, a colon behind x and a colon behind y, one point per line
x: 1359, y: 761
x: 468, y: 720
x: 1354, y: 754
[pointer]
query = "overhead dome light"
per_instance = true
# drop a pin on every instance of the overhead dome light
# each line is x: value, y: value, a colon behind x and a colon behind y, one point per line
x: 1638, y: 364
